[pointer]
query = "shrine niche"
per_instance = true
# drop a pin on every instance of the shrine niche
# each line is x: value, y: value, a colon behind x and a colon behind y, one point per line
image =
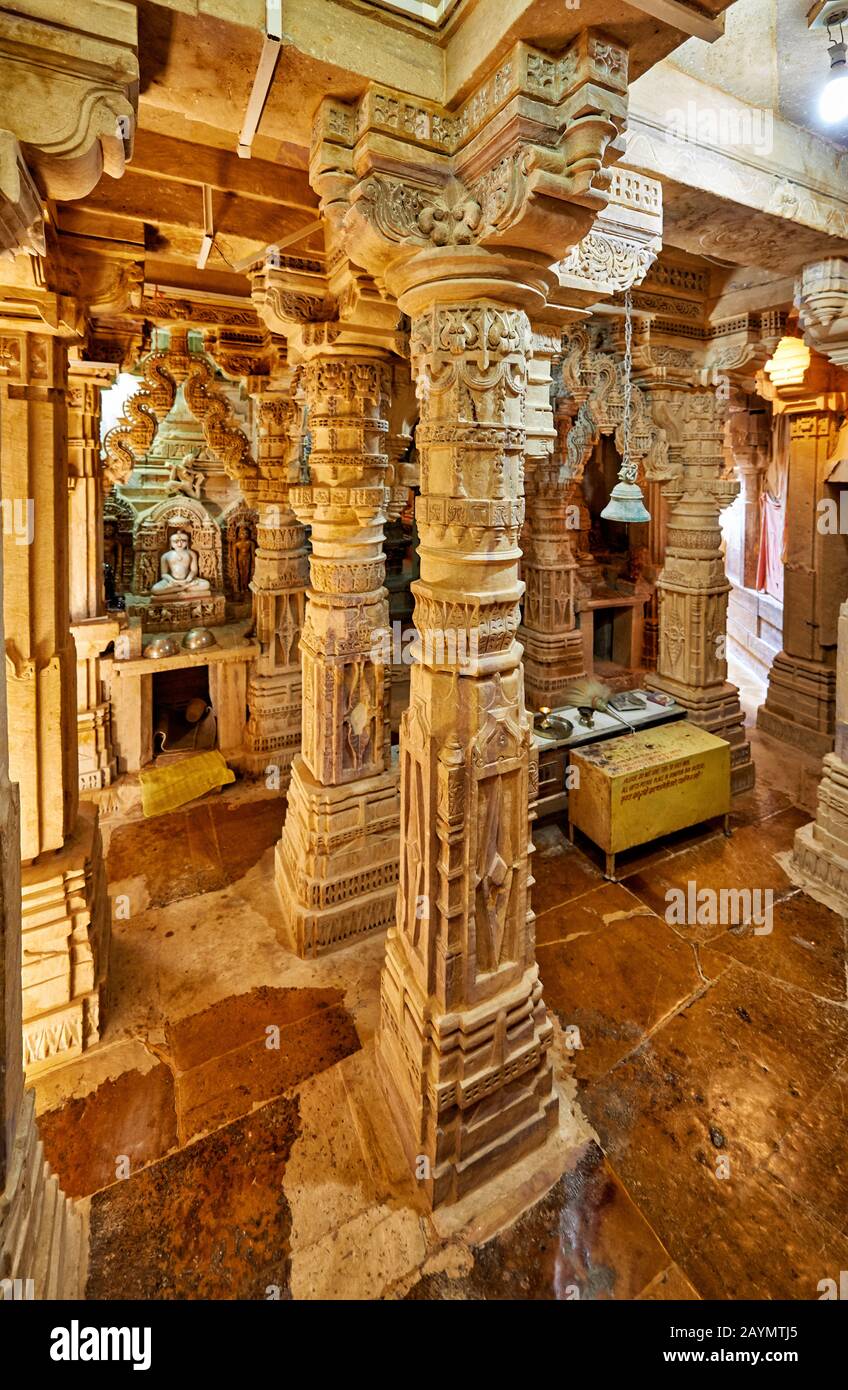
x: 117, y: 549
x: 238, y: 526
x: 178, y: 570
x: 617, y: 565
x: 176, y: 523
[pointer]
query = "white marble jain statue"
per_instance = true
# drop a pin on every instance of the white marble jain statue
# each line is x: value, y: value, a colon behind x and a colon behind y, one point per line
x: 179, y: 571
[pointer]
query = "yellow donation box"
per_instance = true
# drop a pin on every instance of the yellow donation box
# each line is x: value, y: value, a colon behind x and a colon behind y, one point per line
x: 635, y: 788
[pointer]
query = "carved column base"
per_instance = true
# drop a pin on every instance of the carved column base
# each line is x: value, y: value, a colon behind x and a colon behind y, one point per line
x: 819, y: 859
x: 551, y: 665
x: 800, y: 707
x: 337, y: 860
x: 98, y: 765
x: 272, y: 735
x: 43, y: 1235
x: 471, y: 1091
x: 66, y: 928
x: 719, y: 712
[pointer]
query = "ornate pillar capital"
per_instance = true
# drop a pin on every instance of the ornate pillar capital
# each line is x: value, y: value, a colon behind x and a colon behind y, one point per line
x: 482, y: 199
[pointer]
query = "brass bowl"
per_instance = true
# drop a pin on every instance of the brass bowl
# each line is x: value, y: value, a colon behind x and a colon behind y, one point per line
x: 162, y: 646
x: 198, y: 639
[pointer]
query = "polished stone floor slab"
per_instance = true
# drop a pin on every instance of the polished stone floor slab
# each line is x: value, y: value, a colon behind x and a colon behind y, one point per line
x: 212, y: 1221
x: 120, y: 1127
x: 584, y: 1240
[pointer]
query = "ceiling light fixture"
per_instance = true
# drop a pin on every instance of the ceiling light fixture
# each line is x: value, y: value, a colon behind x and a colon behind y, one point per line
x: 833, y: 102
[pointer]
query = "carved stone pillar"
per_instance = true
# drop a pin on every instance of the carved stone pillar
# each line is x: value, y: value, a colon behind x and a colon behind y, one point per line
x: 461, y: 215
x: 656, y: 505
x: 819, y: 861
x: 800, y: 707
x: 464, y: 1035
x: 747, y: 445
x: 42, y: 1235
x: 66, y: 920
x: 280, y: 577
x: 693, y: 586
x: 337, y: 859
x: 553, y: 646
x: 91, y: 628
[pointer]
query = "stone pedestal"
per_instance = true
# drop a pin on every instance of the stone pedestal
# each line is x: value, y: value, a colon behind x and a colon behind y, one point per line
x: 337, y: 863
x: 66, y: 926
x: 339, y: 842
x: 693, y: 586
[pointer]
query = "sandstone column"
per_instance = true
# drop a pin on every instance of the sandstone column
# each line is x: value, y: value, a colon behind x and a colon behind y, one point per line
x: 279, y: 583
x: 337, y: 859
x: 464, y: 1030
x: 553, y: 645
x: 91, y: 628
x: 819, y: 861
x: 693, y: 586
x: 42, y: 1234
x: 65, y: 907
x: 462, y: 214
x: 800, y: 707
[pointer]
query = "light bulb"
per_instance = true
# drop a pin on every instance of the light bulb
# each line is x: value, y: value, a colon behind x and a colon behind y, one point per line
x: 833, y: 102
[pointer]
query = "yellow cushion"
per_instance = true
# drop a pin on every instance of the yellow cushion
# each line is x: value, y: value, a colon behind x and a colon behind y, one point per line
x: 166, y: 788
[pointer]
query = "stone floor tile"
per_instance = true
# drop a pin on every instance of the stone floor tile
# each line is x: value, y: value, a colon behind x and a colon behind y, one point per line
x: 615, y: 973
x: 212, y: 1221
x: 806, y: 946
x: 584, y: 1239
x: 120, y: 1127
x: 721, y: 1083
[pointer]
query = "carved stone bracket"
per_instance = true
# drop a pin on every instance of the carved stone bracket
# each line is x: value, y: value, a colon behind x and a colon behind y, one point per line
x: 822, y: 298
x: 69, y: 91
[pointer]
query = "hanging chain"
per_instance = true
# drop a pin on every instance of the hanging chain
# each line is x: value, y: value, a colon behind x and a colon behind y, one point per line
x: 628, y: 471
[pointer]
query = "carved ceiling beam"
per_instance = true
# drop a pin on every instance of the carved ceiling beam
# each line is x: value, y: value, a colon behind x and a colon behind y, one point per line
x: 621, y: 247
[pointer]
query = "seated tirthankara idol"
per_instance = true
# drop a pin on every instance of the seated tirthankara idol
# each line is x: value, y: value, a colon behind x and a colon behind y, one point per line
x: 180, y: 576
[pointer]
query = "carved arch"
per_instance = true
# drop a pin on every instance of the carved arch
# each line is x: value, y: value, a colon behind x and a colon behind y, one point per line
x: 143, y: 413
x: 162, y: 371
